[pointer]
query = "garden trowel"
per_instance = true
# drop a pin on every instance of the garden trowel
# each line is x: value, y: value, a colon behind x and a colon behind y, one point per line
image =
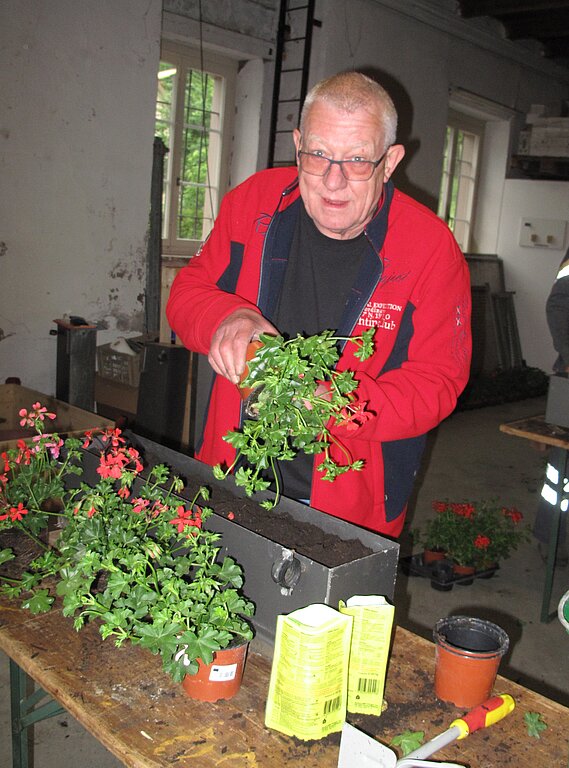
x: 358, y: 750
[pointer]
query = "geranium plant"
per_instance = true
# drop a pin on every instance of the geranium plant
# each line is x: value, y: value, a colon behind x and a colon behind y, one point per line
x: 131, y: 553
x: 299, y: 397
x: 475, y: 534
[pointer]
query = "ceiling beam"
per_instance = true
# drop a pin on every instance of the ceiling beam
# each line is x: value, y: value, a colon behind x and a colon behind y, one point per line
x: 536, y: 25
x: 472, y: 8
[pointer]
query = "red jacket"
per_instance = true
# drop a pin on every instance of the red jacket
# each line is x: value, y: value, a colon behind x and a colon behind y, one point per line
x: 414, y: 288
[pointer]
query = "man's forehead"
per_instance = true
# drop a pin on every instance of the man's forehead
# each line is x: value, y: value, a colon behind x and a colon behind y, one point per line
x: 322, y: 112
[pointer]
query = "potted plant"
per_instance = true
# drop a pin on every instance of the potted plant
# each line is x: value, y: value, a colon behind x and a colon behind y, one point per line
x: 130, y: 554
x: 298, y: 398
x: 473, y: 535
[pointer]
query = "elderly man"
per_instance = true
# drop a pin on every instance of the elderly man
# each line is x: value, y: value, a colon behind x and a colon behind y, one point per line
x: 331, y: 244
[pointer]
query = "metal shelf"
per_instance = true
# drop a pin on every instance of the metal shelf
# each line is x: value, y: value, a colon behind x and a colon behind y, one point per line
x: 540, y: 167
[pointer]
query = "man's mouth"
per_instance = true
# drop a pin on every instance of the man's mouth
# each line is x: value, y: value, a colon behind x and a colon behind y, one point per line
x: 334, y: 203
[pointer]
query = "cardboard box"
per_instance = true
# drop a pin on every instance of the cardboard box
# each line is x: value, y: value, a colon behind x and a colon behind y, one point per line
x: 115, y: 399
x: 70, y: 420
x: 118, y: 366
x: 549, y: 137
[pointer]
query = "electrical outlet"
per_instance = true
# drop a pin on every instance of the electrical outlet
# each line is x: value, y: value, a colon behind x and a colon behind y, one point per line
x: 543, y: 233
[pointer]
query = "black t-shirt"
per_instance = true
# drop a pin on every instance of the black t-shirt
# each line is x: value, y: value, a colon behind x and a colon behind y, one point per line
x: 320, y: 273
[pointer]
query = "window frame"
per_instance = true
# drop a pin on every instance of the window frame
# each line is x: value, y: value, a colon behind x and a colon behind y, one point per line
x: 467, y: 183
x: 185, y: 58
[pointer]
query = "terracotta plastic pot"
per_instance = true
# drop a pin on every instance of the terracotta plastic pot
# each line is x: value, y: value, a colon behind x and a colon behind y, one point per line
x: 252, y: 348
x: 467, y: 656
x: 221, y: 679
x: 464, y: 571
x: 433, y: 556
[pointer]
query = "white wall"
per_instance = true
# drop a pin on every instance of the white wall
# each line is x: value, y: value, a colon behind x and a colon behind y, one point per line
x: 530, y: 272
x: 77, y: 93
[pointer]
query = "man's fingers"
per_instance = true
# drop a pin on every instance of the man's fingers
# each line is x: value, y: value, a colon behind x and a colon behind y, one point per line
x: 229, y: 342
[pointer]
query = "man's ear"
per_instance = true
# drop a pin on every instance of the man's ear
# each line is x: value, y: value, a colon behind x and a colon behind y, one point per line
x: 395, y: 155
x: 296, y: 139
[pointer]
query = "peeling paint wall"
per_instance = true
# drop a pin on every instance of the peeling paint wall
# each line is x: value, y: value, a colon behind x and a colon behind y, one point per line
x: 77, y: 94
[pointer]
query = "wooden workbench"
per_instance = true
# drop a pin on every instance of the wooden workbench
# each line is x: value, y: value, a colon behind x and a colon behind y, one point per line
x: 125, y: 700
x: 538, y: 430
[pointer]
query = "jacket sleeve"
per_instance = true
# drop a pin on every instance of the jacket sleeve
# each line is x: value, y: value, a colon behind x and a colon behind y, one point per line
x: 557, y: 313
x: 197, y: 304
x: 422, y: 387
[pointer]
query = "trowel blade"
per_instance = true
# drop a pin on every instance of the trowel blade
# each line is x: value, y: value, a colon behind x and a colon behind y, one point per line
x: 358, y: 750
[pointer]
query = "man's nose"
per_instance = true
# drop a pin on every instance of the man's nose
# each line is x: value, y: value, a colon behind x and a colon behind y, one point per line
x: 334, y: 178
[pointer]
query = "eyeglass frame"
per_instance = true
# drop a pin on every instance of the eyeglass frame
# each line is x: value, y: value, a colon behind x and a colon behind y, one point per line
x: 341, y: 163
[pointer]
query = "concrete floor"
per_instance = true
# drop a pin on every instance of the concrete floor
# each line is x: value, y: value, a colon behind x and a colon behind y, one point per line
x: 468, y: 459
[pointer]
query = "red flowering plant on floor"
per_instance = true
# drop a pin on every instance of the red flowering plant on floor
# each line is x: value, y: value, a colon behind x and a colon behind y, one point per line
x: 299, y: 403
x: 478, y: 534
x: 131, y: 553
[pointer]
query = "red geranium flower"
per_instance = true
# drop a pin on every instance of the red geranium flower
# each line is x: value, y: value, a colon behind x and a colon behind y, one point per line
x: 17, y: 513
x: 514, y: 514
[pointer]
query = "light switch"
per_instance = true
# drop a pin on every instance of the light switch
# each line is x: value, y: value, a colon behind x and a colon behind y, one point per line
x: 543, y: 233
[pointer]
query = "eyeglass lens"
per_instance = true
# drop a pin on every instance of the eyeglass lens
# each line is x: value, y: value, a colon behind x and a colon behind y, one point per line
x: 318, y: 165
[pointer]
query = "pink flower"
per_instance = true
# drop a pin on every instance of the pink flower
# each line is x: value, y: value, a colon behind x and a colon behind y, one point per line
x: 38, y: 411
x: 139, y: 505
x: 46, y: 441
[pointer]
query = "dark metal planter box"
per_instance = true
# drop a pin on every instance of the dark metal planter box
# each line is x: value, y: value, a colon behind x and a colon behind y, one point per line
x: 277, y: 578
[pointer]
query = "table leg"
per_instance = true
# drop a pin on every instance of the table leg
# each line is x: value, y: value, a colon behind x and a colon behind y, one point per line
x: 558, y: 459
x: 26, y: 710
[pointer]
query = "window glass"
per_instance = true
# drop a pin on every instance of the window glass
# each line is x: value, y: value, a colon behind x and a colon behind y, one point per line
x: 190, y: 109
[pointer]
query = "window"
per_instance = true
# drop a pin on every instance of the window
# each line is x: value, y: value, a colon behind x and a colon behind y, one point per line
x: 192, y: 119
x: 459, y: 176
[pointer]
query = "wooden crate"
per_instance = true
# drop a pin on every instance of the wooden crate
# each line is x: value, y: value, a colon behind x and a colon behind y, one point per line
x: 70, y: 419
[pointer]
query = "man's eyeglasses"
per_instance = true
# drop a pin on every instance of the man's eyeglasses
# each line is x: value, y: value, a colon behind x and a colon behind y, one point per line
x: 353, y: 170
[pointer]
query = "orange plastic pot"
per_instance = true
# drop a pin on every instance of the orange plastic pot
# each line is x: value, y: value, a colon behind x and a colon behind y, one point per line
x: 463, y: 572
x: 433, y: 556
x: 221, y: 679
x: 467, y: 656
x: 252, y: 349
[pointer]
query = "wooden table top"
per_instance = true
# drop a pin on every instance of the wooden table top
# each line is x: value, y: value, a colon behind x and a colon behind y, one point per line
x: 536, y: 428
x: 122, y: 696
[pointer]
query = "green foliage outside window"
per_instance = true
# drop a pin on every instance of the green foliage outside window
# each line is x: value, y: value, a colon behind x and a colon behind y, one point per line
x: 191, y: 179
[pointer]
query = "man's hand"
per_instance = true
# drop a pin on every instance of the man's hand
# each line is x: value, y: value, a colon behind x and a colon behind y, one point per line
x: 229, y: 342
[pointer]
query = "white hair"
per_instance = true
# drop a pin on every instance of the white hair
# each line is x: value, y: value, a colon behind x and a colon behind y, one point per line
x: 351, y: 91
